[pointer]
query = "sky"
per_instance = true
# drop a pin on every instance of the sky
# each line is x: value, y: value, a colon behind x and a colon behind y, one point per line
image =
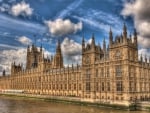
x: 44, y: 22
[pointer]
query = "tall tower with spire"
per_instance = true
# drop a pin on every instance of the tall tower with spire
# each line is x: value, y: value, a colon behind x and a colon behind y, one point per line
x: 135, y: 36
x: 58, y: 58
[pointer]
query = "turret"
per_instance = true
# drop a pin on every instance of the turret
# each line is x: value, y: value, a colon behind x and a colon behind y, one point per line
x: 110, y: 37
x: 32, y: 47
x: 104, y: 45
x: 145, y: 59
x: 83, y: 44
x: 124, y: 33
x: 93, y: 41
x: 41, y: 48
x: 4, y: 73
x: 135, y: 36
x: 99, y: 46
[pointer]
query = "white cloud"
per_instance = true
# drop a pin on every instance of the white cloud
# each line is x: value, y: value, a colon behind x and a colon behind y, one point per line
x: 61, y: 27
x: 21, y: 9
x: 9, y: 56
x: 144, y: 53
x: 25, y: 40
x: 145, y: 42
x: 71, y: 51
x: 140, y: 11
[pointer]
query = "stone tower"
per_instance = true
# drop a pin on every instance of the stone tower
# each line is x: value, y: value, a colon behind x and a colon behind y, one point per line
x: 16, y: 68
x: 123, y: 50
x: 33, y: 56
x: 58, y: 58
x: 91, y: 53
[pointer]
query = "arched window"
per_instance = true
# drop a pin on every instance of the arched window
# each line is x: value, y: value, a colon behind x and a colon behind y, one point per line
x: 118, y: 70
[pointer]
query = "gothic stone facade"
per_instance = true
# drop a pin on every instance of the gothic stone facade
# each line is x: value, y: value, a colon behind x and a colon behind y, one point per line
x: 112, y: 74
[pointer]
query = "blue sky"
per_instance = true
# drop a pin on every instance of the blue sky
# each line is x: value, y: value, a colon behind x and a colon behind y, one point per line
x: 24, y: 22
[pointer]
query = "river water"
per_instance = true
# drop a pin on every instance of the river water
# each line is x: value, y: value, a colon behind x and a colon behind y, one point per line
x: 17, y: 105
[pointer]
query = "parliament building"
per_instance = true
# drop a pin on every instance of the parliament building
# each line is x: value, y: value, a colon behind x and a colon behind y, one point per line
x: 113, y: 74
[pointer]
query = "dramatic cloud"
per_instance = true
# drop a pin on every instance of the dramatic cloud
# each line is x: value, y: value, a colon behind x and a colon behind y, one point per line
x: 25, y: 40
x: 15, y: 55
x: 71, y: 51
x: 144, y: 41
x: 21, y: 9
x: 144, y: 53
x: 61, y: 27
x: 139, y: 10
x: 9, y: 56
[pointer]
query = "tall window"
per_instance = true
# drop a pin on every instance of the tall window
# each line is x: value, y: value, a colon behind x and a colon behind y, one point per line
x: 108, y: 86
x: 119, y: 86
x: 103, y: 87
x: 88, y: 88
x: 118, y: 71
x: 96, y: 73
x: 79, y: 86
x: 96, y: 86
x: 102, y: 72
x: 88, y: 73
x: 107, y: 72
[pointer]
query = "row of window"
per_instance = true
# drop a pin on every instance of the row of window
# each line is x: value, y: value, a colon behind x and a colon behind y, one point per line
x: 102, y: 73
x: 119, y: 86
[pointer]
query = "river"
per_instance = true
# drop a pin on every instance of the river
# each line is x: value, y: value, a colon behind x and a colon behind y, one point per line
x: 18, y: 105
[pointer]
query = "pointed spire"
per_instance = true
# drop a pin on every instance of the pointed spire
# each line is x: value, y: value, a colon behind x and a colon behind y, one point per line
x: 145, y: 59
x: 83, y: 43
x: 41, y: 48
x: 135, y: 33
x: 107, y: 48
x: 135, y: 36
x: 99, y: 45
x: 4, y: 72
x: 125, y: 32
x: 32, y: 47
x: 110, y: 37
x: 58, y: 49
x: 104, y: 45
x: 93, y: 40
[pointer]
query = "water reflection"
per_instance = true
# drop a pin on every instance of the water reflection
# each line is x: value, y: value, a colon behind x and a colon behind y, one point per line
x: 11, y: 105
